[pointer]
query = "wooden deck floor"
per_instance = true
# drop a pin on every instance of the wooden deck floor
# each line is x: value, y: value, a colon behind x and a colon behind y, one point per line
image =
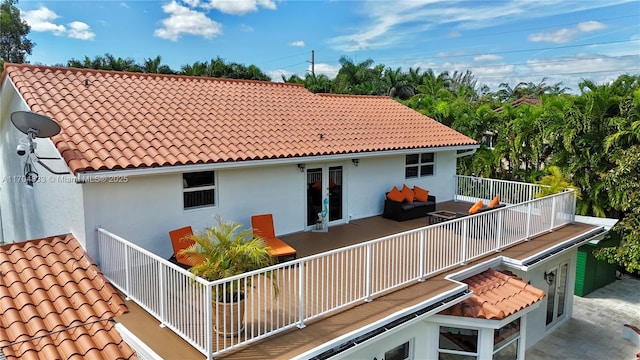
x: 296, y: 341
x: 359, y: 231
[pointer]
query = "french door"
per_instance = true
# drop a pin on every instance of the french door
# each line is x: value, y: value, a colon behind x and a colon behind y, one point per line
x: 325, y: 194
x: 556, y: 279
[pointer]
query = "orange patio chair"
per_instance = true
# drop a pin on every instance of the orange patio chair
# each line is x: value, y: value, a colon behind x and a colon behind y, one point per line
x: 180, y: 240
x: 263, y: 226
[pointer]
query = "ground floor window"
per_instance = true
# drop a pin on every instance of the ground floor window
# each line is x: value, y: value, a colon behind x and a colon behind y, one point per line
x: 506, y: 341
x: 457, y: 343
x: 400, y: 352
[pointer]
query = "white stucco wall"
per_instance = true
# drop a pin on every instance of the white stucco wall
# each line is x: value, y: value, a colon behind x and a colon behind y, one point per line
x: 53, y: 206
x: 374, y: 176
x: 424, y: 334
x: 144, y: 208
x: 536, y: 321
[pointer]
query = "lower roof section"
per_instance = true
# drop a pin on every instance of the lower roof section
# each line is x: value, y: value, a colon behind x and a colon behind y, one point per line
x: 56, y: 304
x: 328, y: 336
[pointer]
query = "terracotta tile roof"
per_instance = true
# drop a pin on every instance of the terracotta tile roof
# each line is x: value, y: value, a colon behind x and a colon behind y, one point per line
x: 55, y: 304
x: 520, y: 101
x: 113, y: 120
x: 496, y: 295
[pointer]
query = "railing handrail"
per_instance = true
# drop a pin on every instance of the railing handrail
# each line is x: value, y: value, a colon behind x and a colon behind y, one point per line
x: 467, y: 253
x: 480, y: 178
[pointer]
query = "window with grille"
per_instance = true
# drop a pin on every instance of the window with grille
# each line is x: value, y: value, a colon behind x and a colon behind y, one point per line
x: 199, y: 189
x: 419, y: 165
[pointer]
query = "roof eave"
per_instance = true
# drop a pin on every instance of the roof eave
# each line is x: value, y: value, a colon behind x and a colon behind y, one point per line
x: 85, y: 176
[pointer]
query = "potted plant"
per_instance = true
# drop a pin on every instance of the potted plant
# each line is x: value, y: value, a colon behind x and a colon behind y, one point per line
x: 221, y: 251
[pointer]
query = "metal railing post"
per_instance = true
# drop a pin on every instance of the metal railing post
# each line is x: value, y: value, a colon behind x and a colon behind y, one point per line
x: 499, y: 234
x: 553, y: 213
x: 209, y: 321
x: 301, y: 291
x: 127, y: 282
x: 573, y: 206
x: 528, y: 233
x: 465, y: 230
x: 161, y: 292
x: 368, y: 273
x: 491, y: 191
x: 423, y: 255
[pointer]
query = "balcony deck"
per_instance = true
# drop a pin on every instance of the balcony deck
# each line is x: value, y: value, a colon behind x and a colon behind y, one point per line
x: 295, y: 341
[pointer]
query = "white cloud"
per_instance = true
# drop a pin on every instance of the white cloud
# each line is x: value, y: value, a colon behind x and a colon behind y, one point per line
x: 246, y: 28
x: 80, y: 30
x: 298, y: 43
x: 487, y: 58
x: 326, y: 69
x: 387, y: 24
x: 568, y: 34
x: 276, y: 75
x: 183, y: 20
x: 581, y: 64
x: 42, y: 20
x: 237, y: 7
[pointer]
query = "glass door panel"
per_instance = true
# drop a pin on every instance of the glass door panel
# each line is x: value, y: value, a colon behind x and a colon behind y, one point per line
x: 335, y: 193
x: 317, y: 192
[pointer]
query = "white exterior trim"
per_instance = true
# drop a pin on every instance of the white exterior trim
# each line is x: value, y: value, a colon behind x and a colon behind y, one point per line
x: 143, y: 351
x: 88, y: 175
x: 372, y: 326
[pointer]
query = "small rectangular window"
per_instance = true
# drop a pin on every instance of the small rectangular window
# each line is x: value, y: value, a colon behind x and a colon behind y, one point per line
x: 457, y: 343
x: 400, y: 352
x: 199, y: 189
x: 419, y: 165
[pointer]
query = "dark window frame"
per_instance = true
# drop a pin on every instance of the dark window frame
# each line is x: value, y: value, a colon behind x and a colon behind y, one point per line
x: 419, y: 165
x: 199, y: 190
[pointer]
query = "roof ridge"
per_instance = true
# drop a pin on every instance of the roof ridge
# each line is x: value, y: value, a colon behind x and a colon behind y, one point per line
x: 354, y: 95
x: 143, y: 74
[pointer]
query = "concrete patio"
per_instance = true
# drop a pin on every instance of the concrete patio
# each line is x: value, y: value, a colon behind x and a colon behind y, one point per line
x: 595, y: 331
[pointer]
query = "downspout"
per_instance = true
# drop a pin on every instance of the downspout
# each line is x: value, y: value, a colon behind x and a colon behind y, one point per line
x: 466, y: 153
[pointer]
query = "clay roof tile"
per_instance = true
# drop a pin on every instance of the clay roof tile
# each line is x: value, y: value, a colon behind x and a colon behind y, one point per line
x: 133, y: 106
x: 496, y: 295
x: 49, y: 306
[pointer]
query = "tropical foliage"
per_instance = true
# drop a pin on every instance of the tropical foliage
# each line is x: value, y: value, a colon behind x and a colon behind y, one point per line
x: 623, y: 184
x: 224, y: 250
x: 14, y: 44
x: 523, y: 130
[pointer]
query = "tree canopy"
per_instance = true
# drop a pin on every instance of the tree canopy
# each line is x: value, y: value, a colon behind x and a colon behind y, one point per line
x: 526, y: 131
x: 14, y: 44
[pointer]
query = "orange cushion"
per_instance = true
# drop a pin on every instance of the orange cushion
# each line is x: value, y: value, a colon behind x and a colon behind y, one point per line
x: 477, y: 206
x: 421, y: 194
x: 395, y: 195
x: 407, y: 193
x: 495, y: 202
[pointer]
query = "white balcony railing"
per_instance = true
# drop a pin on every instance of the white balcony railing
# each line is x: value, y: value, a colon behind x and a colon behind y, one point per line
x: 317, y: 285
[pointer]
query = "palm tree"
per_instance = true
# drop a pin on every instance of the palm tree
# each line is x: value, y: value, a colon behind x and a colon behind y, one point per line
x: 398, y: 84
x: 224, y: 250
x: 155, y: 66
x: 555, y: 182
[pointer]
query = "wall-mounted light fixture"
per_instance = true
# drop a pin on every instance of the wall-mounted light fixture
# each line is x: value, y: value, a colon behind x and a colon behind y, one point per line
x: 355, y: 162
x: 549, y: 277
x: 301, y: 167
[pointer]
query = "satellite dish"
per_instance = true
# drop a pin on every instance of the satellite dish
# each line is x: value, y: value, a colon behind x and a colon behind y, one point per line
x: 34, y: 125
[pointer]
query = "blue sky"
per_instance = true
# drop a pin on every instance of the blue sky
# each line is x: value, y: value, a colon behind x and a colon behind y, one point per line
x: 499, y: 41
